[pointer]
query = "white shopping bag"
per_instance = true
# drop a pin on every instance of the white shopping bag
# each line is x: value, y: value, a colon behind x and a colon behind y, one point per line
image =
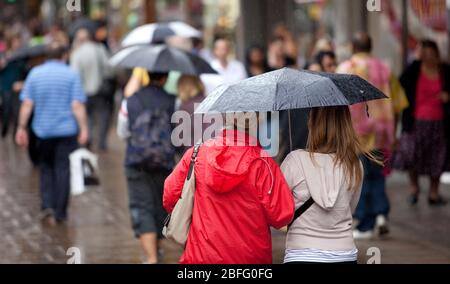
x: 78, y: 161
x: 445, y: 178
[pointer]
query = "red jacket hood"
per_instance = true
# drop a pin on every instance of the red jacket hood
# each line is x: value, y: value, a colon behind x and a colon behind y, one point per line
x: 229, y: 157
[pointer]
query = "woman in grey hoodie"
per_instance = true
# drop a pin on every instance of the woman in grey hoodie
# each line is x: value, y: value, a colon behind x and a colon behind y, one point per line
x: 326, y: 181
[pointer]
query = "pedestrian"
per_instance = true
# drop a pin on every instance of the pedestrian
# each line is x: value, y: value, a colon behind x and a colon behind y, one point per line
x: 323, y: 50
x: 33, y: 150
x: 146, y: 124
x: 399, y: 104
x: 90, y: 59
x: 139, y: 78
x: 330, y: 174
x: 324, y: 61
x: 199, y: 49
x: 327, y: 61
x: 424, y: 144
x: 313, y: 66
x: 9, y: 75
x: 232, y: 71
x: 323, y: 44
x: 290, y: 48
x: 191, y: 93
x: 55, y: 94
x: 256, y: 63
x: 240, y: 193
x: 374, y: 124
x: 276, y: 54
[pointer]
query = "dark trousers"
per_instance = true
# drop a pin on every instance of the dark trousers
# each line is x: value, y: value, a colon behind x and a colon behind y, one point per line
x: 10, y: 111
x: 373, y: 201
x: 99, y: 109
x: 145, y: 195
x: 55, y: 173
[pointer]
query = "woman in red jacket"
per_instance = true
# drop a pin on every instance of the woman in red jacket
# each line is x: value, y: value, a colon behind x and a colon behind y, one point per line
x: 239, y: 194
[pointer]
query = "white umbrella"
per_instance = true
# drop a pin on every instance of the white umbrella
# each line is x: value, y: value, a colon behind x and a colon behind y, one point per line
x: 158, y: 32
x: 161, y: 59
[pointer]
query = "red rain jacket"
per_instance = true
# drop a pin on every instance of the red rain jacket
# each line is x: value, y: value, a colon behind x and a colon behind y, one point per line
x: 239, y: 195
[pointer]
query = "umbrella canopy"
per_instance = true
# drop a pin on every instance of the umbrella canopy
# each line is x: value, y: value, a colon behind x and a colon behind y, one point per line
x: 287, y: 89
x: 28, y: 53
x: 161, y: 59
x: 158, y: 32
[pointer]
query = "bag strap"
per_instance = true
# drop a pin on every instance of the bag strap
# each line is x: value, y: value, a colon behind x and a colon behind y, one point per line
x: 193, y: 160
x: 300, y: 211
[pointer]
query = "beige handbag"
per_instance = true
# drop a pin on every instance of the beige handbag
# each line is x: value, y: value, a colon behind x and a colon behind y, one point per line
x: 177, y: 224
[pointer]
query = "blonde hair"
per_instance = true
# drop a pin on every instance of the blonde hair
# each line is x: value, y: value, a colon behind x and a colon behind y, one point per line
x: 331, y: 132
x: 189, y: 87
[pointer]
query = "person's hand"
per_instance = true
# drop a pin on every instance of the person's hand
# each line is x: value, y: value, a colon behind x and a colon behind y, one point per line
x: 445, y: 97
x: 22, y: 137
x: 18, y: 86
x: 83, y: 136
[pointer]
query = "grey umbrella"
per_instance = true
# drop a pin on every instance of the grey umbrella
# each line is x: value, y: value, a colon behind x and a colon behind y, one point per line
x: 287, y: 89
x: 28, y: 53
x: 161, y: 59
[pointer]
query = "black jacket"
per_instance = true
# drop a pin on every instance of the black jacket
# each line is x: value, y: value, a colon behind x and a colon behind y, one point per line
x: 409, y: 81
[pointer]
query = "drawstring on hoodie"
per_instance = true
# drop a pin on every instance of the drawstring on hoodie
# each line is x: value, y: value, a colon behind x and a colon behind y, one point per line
x: 271, y: 175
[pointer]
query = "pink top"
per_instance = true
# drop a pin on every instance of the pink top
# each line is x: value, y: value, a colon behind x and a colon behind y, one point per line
x: 428, y: 102
x: 376, y: 130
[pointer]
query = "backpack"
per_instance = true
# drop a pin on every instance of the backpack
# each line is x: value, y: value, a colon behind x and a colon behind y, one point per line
x: 150, y: 145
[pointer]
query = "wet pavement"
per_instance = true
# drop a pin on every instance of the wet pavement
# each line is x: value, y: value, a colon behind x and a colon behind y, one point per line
x: 99, y: 223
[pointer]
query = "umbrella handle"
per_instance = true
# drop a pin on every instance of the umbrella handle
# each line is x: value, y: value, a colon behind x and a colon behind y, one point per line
x: 290, y: 130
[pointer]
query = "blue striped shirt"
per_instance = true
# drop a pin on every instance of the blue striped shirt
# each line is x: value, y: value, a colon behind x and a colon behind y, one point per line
x: 53, y: 87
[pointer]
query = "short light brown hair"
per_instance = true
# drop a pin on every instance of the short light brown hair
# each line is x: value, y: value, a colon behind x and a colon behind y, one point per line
x: 189, y: 87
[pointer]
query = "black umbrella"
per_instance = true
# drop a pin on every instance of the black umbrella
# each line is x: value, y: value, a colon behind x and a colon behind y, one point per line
x: 161, y: 59
x: 28, y: 53
x: 288, y: 89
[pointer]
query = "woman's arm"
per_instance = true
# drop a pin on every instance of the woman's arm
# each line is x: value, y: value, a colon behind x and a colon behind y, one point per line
x: 133, y: 85
x: 174, y: 184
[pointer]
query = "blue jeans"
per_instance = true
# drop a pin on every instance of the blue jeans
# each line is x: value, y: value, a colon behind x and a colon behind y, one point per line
x: 373, y: 201
x: 54, y: 167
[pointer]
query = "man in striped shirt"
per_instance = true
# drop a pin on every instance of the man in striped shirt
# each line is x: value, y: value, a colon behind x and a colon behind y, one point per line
x: 53, y: 92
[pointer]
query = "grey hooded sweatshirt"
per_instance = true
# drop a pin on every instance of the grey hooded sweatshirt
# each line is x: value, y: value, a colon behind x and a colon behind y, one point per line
x: 327, y: 225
